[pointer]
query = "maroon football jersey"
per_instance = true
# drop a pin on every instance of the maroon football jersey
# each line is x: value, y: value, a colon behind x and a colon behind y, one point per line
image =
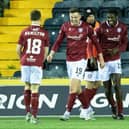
x: 112, y: 37
x: 33, y: 39
x: 76, y: 40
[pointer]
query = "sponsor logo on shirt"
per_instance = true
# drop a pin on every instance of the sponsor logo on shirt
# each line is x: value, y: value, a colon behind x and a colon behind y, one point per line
x: 31, y: 59
x: 114, y: 38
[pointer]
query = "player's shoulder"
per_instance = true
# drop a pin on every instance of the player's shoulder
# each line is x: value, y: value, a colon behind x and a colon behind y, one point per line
x: 86, y: 25
x: 66, y: 23
x: 65, y: 26
x: 122, y: 24
x: 103, y: 24
x: 43, y: 30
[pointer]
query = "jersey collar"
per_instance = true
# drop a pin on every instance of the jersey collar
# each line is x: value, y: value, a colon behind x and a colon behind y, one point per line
x: 114, y: 26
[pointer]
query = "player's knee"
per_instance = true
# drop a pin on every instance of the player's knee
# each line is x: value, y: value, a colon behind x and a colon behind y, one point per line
x: 74, y: 90
x: 91, y: 85
x: 75, y: 86
x: 34, y: 88
x: 27, y: 86
x: 88, y: 87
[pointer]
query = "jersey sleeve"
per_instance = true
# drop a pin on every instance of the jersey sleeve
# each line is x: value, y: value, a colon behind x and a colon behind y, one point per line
x: 124, y: 40
x: 89, y: 48
x: 59, y: 39
x: 93, y: 36
x: 47, y: 42
x: 21, y: 38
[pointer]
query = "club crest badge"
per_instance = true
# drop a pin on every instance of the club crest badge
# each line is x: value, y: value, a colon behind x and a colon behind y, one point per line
x: 119, y: 30
x: 70, y: 29
x: 80, y: 30
x: 107, y: 30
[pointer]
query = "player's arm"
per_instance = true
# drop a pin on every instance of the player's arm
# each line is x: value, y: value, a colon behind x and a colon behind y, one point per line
x: 101, y: 60
x: 46, y: 53
x: 122, y: 46
x: 57, y: 43
x: 95, y: 41
x: 46, y: 48
x: 50, y: 56
x: 20, y: 45
x: 124, y: 41
x: 19, y: 50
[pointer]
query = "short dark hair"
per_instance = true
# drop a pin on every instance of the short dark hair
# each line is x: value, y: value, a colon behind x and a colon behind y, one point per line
x: 35, y: 15
x: 74, y: 10
x: 113, y: 11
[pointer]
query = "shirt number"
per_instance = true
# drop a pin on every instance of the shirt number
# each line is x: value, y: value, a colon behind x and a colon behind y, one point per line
x: 33, y: 46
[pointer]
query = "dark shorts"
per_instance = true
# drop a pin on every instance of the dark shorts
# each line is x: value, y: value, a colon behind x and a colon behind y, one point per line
x: 92, y: 66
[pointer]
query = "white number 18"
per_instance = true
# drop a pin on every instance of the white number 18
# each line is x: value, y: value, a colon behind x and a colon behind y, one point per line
x: 33, y: 46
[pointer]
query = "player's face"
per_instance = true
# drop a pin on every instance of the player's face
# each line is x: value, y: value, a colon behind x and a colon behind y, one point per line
x: 90, y: 19
x: 75, y: 18
x: 112, y: 19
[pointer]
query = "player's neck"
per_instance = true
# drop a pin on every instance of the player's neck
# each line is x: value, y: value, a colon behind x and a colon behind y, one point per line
x: 114, y: 25
x: 35, y: 23
x: 80, y: 22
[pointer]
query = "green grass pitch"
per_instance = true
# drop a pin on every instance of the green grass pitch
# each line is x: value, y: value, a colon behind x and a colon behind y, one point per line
x: 73, y: 123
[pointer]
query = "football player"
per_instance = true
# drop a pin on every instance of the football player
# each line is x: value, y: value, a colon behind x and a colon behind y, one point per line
x: 32, y: 50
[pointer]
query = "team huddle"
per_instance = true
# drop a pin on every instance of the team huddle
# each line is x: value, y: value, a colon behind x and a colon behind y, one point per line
x: 92, y: 54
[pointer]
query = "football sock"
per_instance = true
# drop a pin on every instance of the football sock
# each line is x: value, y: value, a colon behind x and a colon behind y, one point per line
x: 27, y: 98
x: 109, y: 96
x: 120, y: 107
x: 93, y: 92
x: 34, y: 103
x: 89, y: 93
x: 119, y: 100
x: 83, y: 100
x: 71, y: 101
x: 112, y: 101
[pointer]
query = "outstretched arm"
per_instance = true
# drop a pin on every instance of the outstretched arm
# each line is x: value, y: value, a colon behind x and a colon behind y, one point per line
x: 50, y: 56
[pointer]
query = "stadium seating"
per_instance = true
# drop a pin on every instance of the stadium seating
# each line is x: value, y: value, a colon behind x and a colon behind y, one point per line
x: 54, y: 22
x: 63, y: 14
x: 17, y: 74
x: 1, y: 8
x: 63, y: 7
x: 53, y: 25
x: 1, y: 12
x: 125, y: 20
x: 14, y: 12
x: 53, y: 35
x: 125, y: 64
x: 57, y: 70
x: 126, y: 11
x: 31, y: 4
x: 53, y: 32
x: 7, y: 3
x: 108, y: 5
